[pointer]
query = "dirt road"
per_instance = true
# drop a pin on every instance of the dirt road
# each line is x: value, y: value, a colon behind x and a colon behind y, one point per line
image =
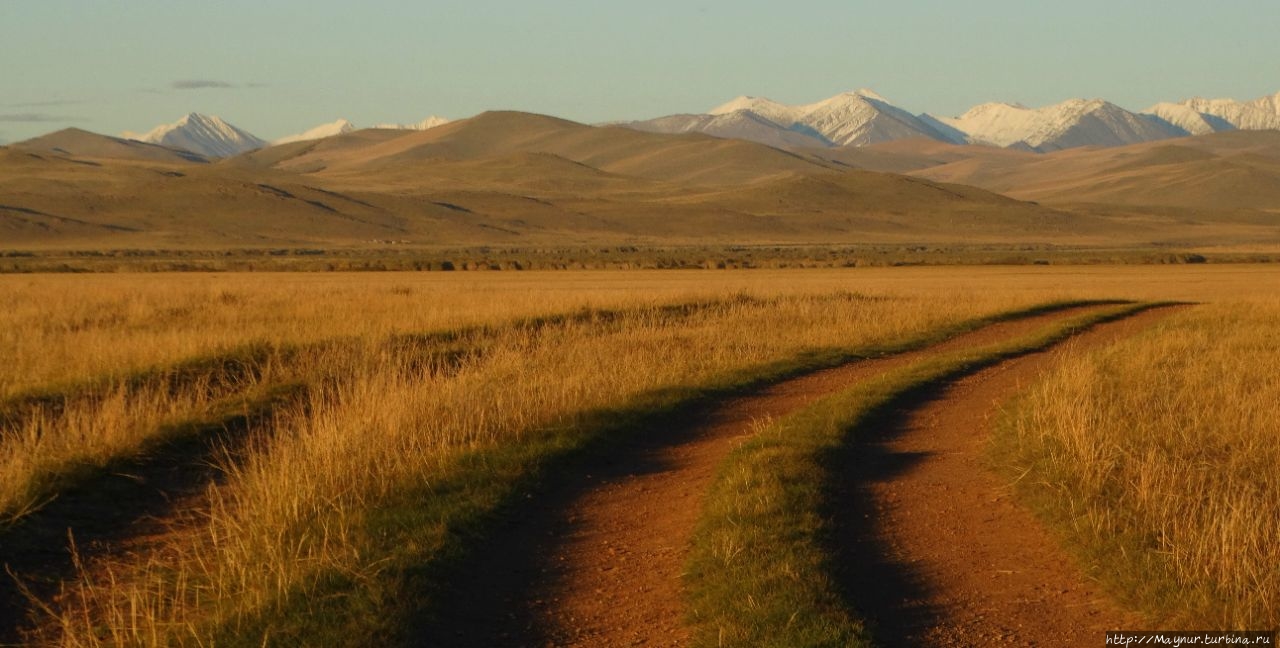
x: 934, y: 552
x: 598, y: 561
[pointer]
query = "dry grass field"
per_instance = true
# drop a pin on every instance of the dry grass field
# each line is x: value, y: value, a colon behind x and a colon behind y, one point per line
x: 1157, y: 458
x: 363, y: 425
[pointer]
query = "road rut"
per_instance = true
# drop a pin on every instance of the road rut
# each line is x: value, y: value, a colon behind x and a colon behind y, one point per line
x: 933, y: 549
x: 598, y: 560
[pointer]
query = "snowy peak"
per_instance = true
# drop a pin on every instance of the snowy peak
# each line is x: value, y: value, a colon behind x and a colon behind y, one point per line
x: 322, y: 131
x: 343, y: 126
x: 998, y: 124
x: 1071, y: 123
x: 429, y: 122
x: 1188, y: 119
x: 856, y: 101
x: 863, y: 117
x: 780, y: 114
x: 853, y: 118
x: 207, y: 135
x: 867, y: 93
x: 1262, y: 113
x: 738, y: 124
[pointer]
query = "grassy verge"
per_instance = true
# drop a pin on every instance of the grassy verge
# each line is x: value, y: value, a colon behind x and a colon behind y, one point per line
x: 760, y: 571
x: 1155, y: 459
x: 418, y: 537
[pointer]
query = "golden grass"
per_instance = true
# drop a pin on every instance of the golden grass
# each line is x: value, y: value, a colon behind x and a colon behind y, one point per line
x: 377, y: 423
x: 1158, y: 458
x: 42, y: 448
x: 88, y: 339
x: 292, y: 509
x: 57, y: 329
x: 63, y: 328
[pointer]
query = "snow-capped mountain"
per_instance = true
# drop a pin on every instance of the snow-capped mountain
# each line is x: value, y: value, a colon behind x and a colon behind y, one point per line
x: 319, y: 132
x: 771, y: 110
x: 1188, y: 119
x: 430, y: 122
x: 1079, y: 122
x: 858, y: 118
x: 342, y: 126
x: 1071, y: 123
x: 739, y: 124
x: 863, y: 117
x: 853, y: 118
x: 203, y: 134
x: 1262, y: 113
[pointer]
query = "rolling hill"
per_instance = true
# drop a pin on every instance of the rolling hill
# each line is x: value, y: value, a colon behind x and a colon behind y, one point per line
x: 1236, y: 170
x: 521, y: 179
x: 683, y: 159
x: 77, y: 143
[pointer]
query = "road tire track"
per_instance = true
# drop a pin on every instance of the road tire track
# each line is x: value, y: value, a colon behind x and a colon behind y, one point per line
x: 933, y: 550
x: 598, y: 560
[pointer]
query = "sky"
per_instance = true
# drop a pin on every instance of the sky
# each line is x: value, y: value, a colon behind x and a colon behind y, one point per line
x: 276, y: 67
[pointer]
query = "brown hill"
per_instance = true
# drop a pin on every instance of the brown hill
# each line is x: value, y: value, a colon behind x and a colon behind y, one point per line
x: 310, y: 156
x: 892, y: 206
x: 519, y: 179
x: 906, y: 155
x: 684, y: 159
x: 544, y: 174
x: 74, y: 142
x: 1224, y: 171
x: 53, y: 201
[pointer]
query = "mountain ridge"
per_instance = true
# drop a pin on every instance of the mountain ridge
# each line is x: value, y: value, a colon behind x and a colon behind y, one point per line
x: 857, y: 118
x: 515, y: 178
x: 210, y: 136
x: 863, y: 117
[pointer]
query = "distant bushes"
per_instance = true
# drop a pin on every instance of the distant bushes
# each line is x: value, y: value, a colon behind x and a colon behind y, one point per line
x: 404, y: 259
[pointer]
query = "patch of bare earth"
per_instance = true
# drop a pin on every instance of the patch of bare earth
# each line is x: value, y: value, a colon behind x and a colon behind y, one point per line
x: 933, y: 549
x: 598, y: 560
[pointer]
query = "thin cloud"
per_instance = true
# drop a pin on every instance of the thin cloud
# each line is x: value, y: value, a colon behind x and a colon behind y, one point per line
x: 200, y: 84
x: 47, y: 104
x: 32, y: 118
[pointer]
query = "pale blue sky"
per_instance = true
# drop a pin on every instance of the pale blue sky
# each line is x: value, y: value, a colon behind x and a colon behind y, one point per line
x: 277, y: 67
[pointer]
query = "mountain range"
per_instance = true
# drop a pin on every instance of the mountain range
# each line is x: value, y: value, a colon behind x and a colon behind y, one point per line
x: 851, y: 119
x: 518, y: 179
x: 863, y: 117
x: 212, y: 137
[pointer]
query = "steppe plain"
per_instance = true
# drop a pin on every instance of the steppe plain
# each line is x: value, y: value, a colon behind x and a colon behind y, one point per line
x: 904, y: 393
